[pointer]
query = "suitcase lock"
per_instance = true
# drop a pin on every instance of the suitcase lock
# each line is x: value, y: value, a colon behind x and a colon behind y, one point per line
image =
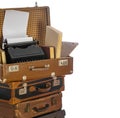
x: 53, y: 75
x: 24, y: 78
x: 56, y: 81
x: 23, y: 90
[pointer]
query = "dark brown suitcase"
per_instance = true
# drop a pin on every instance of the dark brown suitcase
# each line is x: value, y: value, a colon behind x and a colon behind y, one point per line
x: 57, y: 114
x: 39, y: 18
x: 31, y: 108
x: 16, y: 92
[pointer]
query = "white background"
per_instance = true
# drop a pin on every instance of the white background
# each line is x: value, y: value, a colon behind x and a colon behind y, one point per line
x: 93, y: 90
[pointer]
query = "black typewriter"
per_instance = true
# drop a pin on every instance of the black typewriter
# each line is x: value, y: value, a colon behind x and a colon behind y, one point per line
x: 22, y: 52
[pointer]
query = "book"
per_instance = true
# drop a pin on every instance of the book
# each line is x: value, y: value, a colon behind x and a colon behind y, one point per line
x: 49, y: 52
x: 54, y: 38
x: 2, y: 56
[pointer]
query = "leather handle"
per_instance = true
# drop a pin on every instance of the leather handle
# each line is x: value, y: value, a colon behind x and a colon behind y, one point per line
x: 47, y: 87
x: 40, y: 109
x: 45, y: 67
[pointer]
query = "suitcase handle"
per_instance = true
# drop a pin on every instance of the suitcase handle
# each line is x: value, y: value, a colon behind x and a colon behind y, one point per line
x: 41, y: 109
x: 45, y: 67
x: 46, y: 88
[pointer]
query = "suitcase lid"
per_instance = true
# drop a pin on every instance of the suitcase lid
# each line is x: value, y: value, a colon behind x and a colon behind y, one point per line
x: 39, y: 18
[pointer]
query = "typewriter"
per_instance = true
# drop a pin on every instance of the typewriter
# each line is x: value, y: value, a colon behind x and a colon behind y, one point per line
x: 22, y: 52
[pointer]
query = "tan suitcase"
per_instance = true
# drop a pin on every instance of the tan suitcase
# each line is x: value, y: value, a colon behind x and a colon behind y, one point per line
x: 31, y: 108
x: 16, y: 92
x: 38, y: 20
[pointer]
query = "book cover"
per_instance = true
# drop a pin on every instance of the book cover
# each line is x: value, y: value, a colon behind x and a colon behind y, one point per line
x: 2, y: 56
x: 49, y: 52
x: 54, y: 38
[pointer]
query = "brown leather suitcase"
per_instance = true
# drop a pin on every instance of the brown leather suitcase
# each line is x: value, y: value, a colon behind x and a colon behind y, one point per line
x: 31, y: 108
x: 16, y: 92
x: 57, y: 114
x: 39, y: 18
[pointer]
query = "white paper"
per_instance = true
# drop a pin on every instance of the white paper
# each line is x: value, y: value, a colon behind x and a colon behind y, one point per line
x: 15, y: 25
x: 19, y: 40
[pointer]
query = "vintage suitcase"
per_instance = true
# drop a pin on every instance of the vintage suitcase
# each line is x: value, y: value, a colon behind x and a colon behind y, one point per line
x: 31, y: 108
x: 57, y: 114
x: 16, y: 92
x: 39, y: 18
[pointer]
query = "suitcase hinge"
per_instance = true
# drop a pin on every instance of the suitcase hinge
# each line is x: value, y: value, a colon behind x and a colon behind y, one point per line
x: 53, y: 101
x: 27, y: 108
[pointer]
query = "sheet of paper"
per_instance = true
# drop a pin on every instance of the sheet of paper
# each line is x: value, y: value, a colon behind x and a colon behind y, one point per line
x: 15, y: 24
x: 19, y: 40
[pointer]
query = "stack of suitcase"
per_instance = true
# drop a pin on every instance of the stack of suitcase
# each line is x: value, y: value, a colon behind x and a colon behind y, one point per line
x: 36, y: 92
